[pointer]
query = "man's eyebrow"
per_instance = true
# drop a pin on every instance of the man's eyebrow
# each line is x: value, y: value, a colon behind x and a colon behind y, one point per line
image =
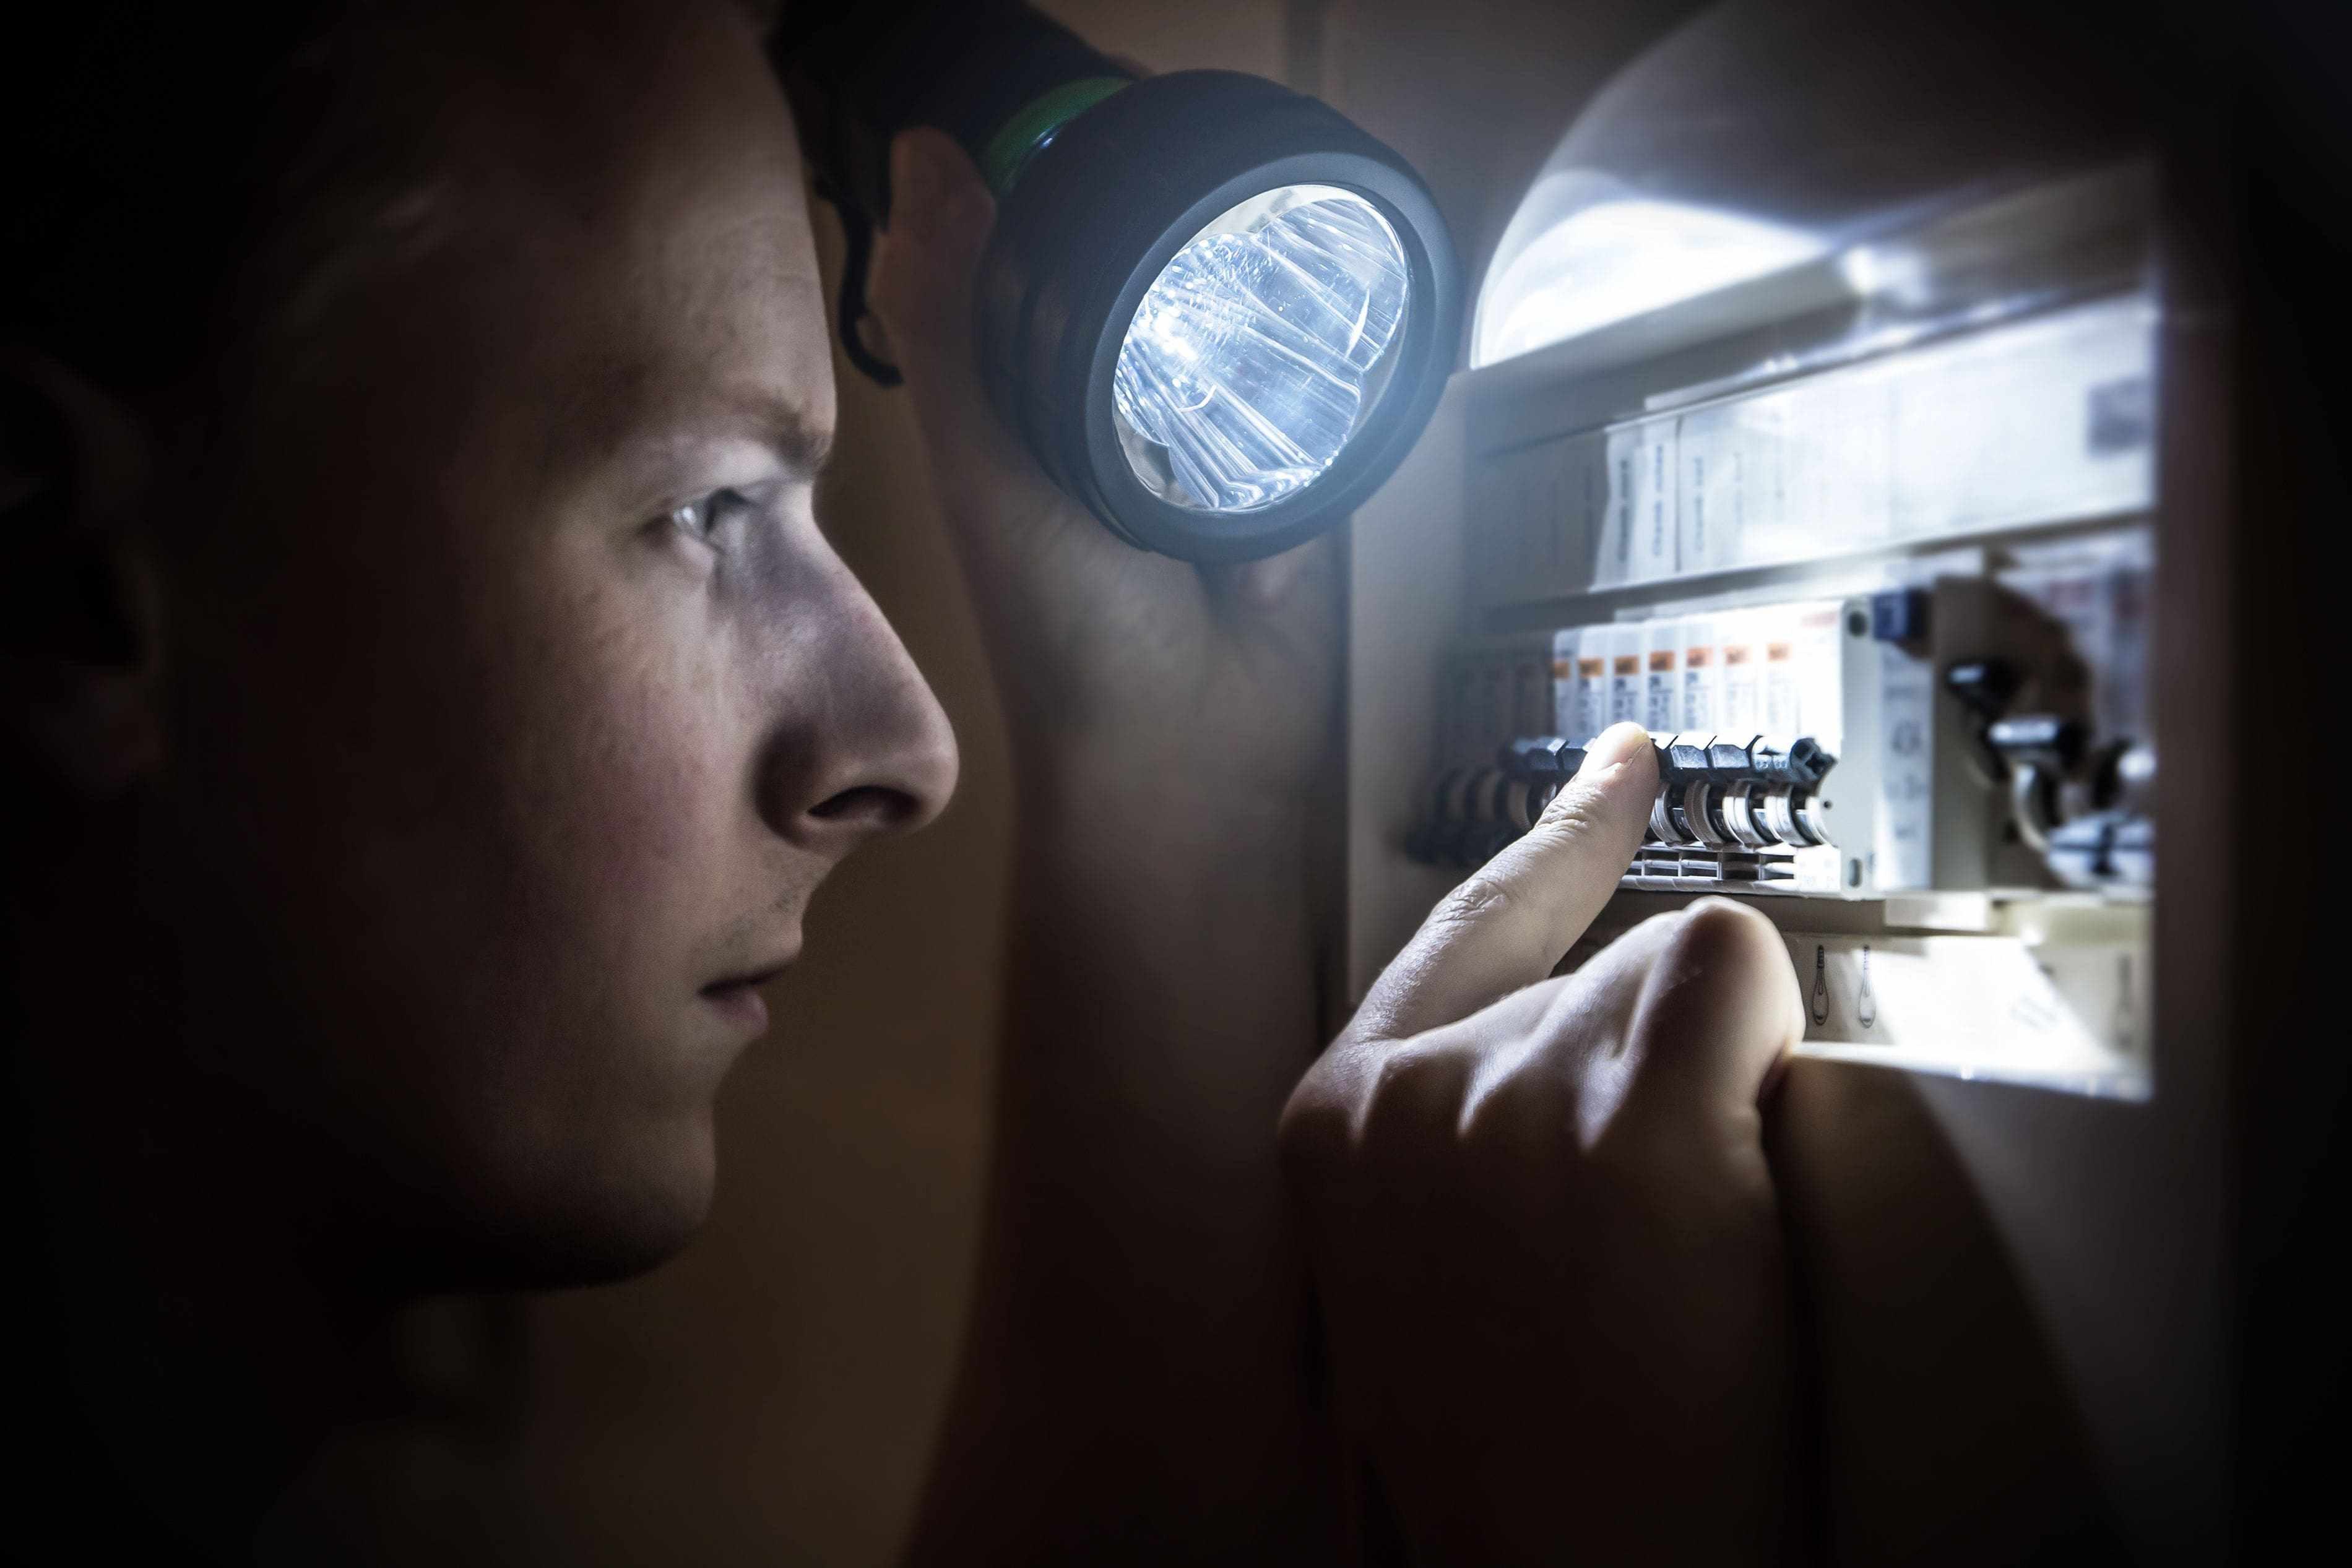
x: 798, y: 437
x: 623, y: 410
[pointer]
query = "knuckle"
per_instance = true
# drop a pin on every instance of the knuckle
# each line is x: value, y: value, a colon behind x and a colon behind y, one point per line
x: 1478, y: 898
x: 1661, y: 924
x: 1717, y: 938
x: 1725, y: 974
x: 1518, y: 1111
x: 1359, y: 1104
x: 1393, y: 1083
x: 1574, y: 813
x: 1316, y: 1128
x: 1406, y: 1101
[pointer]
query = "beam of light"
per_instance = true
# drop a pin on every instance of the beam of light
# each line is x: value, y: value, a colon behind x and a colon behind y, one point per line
x: 1618, y: 256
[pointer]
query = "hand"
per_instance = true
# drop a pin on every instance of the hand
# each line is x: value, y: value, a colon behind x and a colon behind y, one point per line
x: 1202, y: 686
x: 1541, y: 1225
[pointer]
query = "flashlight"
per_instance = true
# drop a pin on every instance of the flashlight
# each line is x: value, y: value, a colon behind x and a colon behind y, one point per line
x: 1217, y: 312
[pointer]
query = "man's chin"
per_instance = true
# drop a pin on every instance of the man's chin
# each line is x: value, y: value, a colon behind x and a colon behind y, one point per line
x: 632, y: 1216
x: 621, y: 1231
x: 604, y: 1255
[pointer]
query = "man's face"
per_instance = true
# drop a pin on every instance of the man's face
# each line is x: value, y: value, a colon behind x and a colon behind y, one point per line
x: 529, y: 707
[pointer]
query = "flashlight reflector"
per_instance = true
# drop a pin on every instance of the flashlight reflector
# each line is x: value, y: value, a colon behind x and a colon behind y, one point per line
x: 1254, y: 355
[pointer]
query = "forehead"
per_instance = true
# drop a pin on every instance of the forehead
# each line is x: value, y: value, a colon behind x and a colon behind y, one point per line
x: 604, y: 223
x: 678, y: 227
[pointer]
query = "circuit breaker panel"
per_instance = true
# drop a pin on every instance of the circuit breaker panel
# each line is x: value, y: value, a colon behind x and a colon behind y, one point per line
x: 1866, y: 545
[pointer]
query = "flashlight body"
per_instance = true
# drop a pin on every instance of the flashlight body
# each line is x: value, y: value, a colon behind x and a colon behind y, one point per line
x: 857, y: 73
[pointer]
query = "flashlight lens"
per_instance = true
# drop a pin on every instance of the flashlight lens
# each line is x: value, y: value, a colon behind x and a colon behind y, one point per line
x: 1258, y: 351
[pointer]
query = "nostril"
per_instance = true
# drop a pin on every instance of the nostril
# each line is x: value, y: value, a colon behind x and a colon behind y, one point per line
x: 869, y: 805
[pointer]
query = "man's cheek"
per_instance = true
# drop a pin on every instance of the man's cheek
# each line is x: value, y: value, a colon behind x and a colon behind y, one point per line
x: 643, y: 771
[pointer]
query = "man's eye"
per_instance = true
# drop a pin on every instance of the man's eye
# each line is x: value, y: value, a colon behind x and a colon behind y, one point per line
x: 705, y: 515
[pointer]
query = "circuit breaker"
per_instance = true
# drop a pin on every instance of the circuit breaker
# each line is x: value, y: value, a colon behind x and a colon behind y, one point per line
x: 1867, y: 546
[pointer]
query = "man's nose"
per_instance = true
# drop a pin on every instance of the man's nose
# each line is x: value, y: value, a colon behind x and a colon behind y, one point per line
x: 876, y: 753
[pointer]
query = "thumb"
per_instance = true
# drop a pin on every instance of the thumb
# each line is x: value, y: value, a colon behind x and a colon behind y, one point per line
x: 1507, y: 925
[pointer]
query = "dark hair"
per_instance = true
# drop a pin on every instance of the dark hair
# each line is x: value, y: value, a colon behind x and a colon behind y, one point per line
x: 152, y: 147
x: 141, y: 138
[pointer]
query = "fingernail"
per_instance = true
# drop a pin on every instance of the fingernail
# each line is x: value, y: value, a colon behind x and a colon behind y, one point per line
x: 1617, y: 744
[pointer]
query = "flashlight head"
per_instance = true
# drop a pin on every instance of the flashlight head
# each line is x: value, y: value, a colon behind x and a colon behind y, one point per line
x: 1218, y: 313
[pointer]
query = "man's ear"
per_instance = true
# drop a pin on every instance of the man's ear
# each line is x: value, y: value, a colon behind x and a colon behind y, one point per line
x: 79, y: 619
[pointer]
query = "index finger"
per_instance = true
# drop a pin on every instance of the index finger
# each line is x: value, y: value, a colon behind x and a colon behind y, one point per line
x: 1507, y: 925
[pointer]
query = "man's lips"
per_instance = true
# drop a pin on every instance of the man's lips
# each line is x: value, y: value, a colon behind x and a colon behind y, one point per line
x: 738, y: 995
x: 754, y: 978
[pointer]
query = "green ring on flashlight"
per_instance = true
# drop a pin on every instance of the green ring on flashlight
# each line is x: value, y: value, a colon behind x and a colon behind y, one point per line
x: 1022, y: 137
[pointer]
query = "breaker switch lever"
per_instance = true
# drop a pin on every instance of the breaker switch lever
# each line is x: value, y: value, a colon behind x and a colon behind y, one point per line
x: 1985, y: 686
x: 1542, y: 758
x: 2039, y: 751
